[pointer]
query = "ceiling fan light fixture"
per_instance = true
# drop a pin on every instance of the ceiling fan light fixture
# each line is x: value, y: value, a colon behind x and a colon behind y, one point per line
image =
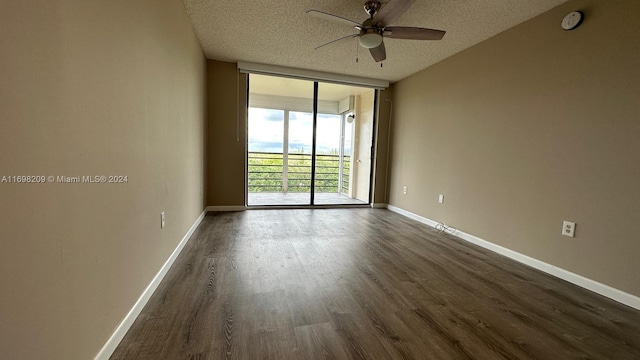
x: 370, y: 39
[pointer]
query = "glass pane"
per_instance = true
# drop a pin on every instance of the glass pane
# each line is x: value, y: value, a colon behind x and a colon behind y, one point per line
x: 280, y: 130
x: 265, y: 132
x: 344, y: 133
x: 328, y: 155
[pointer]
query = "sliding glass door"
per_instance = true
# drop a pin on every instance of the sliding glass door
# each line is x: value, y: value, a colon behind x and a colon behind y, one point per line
x: 302, y: 137
x: 280, y: 131
x: 344, y: 138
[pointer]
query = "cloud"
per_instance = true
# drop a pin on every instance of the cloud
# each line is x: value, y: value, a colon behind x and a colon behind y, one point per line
x: 266, y: 114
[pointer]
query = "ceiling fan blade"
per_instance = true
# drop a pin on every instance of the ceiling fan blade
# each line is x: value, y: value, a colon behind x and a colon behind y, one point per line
x: 333, y: 18
x: 379, y: 53
x: 336, y: 40
x: 392, y: 10
x: 412, y: 33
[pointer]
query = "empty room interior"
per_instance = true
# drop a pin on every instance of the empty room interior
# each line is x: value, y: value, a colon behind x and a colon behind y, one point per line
x: 403, y: 179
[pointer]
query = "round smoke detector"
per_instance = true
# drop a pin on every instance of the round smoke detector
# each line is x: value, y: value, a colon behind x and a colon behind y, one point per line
x: 572, y: 20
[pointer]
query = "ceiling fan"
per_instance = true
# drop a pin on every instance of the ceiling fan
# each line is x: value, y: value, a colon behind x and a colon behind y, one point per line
x: 376, y: 27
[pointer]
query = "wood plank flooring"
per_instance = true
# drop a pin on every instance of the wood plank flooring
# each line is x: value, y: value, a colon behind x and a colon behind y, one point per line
x: 364, y: 284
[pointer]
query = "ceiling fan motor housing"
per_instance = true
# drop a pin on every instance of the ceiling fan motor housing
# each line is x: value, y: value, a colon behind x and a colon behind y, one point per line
x: 372, y: 7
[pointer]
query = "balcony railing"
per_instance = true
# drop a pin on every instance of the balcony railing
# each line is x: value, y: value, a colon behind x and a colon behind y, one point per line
x: 267, y: 172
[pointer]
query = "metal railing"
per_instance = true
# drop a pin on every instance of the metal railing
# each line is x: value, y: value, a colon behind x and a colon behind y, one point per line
x: 267, y: 172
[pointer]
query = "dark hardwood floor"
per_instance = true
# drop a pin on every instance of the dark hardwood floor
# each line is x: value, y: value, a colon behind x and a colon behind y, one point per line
x: 364, y: 284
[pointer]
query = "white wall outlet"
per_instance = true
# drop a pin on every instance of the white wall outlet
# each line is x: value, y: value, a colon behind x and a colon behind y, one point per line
x: 162, y: 220
x: 568, y: 228
x: 404, y: 189
x: 441, y: 199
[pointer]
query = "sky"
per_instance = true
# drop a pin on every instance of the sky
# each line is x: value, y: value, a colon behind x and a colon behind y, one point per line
x: 266, y: 131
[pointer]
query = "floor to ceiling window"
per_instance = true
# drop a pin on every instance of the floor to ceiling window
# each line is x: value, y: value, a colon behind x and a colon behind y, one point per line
x: 309, y: 143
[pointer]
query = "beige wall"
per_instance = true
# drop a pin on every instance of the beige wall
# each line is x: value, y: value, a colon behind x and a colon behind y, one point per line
x: 226, y: 98
x: 532, y: 127
x: 93, y: 88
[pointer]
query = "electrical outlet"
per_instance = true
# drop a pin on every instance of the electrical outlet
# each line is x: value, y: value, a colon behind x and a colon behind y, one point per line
x: 404, y: 190
x: 441, y: 199
x: 568, y: 228
x: 162, y: 220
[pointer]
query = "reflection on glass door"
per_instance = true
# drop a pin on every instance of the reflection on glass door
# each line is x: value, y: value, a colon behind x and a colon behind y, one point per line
x: 283, y: 167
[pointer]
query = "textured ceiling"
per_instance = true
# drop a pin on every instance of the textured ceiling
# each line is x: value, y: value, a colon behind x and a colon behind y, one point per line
x: 281, y: 33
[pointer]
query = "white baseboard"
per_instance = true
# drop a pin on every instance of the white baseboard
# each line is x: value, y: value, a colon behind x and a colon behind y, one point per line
x: 111, y: 344
x: 226, y: 208
x: 379, y: 205
x: 599, y: 288
x: 413, y: 216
